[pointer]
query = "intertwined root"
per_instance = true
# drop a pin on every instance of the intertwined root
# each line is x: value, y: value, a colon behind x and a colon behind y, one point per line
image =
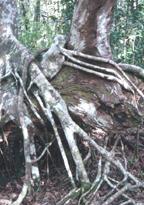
x: 51, y: 103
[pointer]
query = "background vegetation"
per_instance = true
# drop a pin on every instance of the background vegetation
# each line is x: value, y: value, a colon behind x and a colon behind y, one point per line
x: 41, y: 20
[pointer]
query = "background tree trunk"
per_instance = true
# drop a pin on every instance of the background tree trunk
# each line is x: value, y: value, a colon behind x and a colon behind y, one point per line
x: 24, y: 5
x: 37, y: 11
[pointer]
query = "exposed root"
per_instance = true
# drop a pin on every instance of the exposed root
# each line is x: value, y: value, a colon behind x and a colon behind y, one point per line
x: 51, y: 119
x: 99, y: 71
x: 32, y: 106
x: 99, y: 74
x: 73, y: 194
x: 51, y: 103
x: 96, y: 184
x: 22, y: 195
x: 20, y: 63
x: 136, y: 70
x: 55, y: 104
x: 104, y: 60
x: 35, y: 170
x: 28, y: 166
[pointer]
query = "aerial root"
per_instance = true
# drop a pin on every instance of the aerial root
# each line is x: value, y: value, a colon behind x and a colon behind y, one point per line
x: 22, y: 195
x: 110, y: 160
x: 118, y: 188
x: 56, y: 104
x: 32, y: 175
x: 28, y: 166
x: 99, y: 74
x: 106, y: 73
x: 53, y: 103
x: 136, y: 70
x: 117, y: 75
x: 49, y: 115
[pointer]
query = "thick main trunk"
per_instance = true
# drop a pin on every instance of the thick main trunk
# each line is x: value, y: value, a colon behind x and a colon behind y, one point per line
x: 91, y: 27
x: 103, y: 103
x: 93, y: 97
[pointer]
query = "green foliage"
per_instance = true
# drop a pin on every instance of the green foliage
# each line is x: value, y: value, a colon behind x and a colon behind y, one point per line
x: 67, y: 12
x: 38, y: 34
x: 127, y: 35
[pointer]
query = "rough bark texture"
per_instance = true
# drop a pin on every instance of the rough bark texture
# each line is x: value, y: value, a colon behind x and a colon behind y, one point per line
x: 96, y: 101
x: 30, y: 94
x: 91, y: 27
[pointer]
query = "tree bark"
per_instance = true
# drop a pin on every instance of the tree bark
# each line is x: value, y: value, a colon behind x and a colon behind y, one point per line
x: 24, y: 5
x: 37, y: 11
x: 113, y: 107
x: 91, y: 27
x: 73, y: 87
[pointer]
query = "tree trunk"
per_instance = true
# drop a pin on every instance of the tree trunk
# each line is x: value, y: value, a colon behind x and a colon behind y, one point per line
x: 82, y: 94
x: 113, y: 107
x: 90, y: 28
x: 24, y: 5
x: 37, y: 11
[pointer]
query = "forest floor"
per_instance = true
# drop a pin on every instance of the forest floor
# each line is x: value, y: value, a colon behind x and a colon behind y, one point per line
x: 57, y: 185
